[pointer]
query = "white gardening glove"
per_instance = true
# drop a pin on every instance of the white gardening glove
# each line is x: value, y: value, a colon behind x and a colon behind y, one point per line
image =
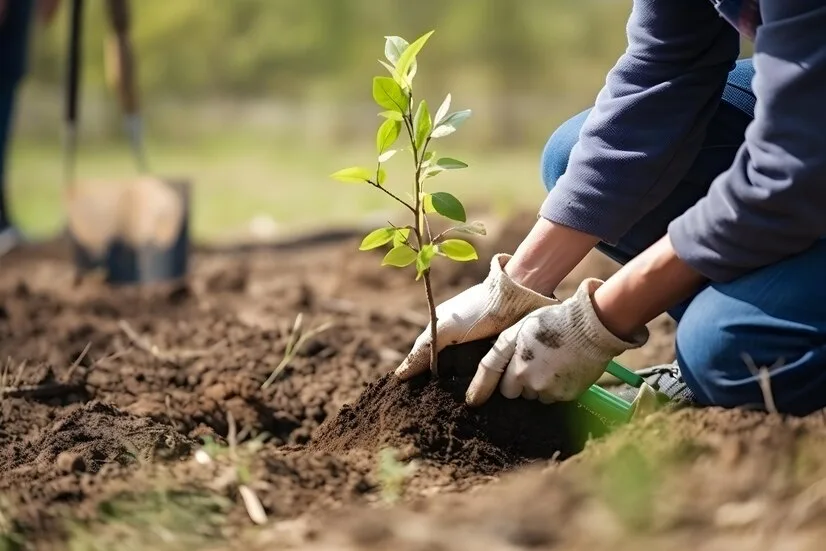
x: 553, y: 354
x: 480, y: 312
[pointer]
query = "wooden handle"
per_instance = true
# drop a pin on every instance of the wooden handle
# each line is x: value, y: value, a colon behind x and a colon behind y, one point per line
x: 73, y: 61
x: 120, y: 60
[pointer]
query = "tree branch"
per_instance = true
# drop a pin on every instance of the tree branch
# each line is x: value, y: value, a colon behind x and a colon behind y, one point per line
x: 393, y: 195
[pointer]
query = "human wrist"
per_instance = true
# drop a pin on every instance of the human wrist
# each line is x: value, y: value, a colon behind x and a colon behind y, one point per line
x: 547, y: 255
x: 650, y: 284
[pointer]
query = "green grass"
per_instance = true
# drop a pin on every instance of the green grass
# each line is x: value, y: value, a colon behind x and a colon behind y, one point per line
x: 158, y: 520
x: 235, y: 180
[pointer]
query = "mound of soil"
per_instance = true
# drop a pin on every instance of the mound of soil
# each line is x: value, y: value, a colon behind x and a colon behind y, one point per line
x: 428, y: 418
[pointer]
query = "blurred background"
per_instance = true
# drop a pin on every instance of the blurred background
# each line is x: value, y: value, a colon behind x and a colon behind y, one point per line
x: 257, y: 101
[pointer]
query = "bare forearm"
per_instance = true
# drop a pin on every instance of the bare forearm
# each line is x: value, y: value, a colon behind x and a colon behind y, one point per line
x: 547, y: 255
x: 644, y: 288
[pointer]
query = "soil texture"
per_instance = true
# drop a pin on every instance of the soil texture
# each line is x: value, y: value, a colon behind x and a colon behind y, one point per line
x: 138, y: 418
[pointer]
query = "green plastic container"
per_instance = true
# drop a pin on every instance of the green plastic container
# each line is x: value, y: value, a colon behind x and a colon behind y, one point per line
x: 609, y: 409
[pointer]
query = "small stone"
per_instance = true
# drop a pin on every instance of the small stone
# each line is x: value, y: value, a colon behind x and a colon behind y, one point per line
x: 70, y: 462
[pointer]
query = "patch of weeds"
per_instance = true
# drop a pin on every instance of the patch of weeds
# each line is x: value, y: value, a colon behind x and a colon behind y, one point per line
x: 808, y: 460
x: 627, y: 482
x: 10, y: 537
x: 157, y: 520
x: 684, y: 452
x: 236, y: 473
x: 298, y: 338
x: 393, y: 474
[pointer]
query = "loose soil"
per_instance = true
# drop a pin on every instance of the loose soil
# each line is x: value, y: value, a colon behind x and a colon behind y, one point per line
x: 135, y: 418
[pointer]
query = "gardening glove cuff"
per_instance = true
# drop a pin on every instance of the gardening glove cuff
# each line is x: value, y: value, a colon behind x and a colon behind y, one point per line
x: 586, y: 334
x: 507, y: 299
x: 479, y: 312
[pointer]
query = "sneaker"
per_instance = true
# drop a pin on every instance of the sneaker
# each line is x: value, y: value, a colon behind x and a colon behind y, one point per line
x: 10, y: 239
x: 665, y: 379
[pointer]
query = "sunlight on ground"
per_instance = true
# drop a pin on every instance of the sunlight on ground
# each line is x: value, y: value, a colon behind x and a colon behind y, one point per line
x: 244, y: 183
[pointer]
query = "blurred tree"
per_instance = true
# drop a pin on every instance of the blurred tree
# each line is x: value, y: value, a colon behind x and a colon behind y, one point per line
x: 495, y: 53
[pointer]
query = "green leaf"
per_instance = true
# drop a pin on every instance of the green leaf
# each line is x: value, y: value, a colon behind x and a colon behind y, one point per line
x: 392, y: 115
x: 387, y: 155
x: 448, y: 206
x: 427, y: 162
x: 427, y: 204
x: 458, y: 249
x: 389, y: 94
x: 377, y: 238
x: 450, y: 124
x: 399, y: 256
x: 472, y: 228
x: 394, y: 46
x: 422, y: 124
x: 423, y: 260
x: 442, y: 111
x: 387, y: 135
x: 401, y: 236
x: 390, y: 68
x: 353, y: 175
x: 381, y: 176
x: 432, y: 171
x: 450, y: 164
x: 408, y: 58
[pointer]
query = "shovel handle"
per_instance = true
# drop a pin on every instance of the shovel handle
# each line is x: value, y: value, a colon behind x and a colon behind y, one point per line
x: 120, y: 56
x: 72, y: 91
x: 73, y: 61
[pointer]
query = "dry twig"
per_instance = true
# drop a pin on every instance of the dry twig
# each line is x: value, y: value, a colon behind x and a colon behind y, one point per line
x: 763, y: 375
x: 252, y: 504
x: 76, y: 363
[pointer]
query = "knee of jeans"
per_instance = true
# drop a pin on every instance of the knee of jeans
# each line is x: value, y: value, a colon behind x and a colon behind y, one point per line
x: 558, y: 150
x: 703, y: 346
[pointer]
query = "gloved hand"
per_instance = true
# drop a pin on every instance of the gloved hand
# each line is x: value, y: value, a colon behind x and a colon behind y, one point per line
x: 479, y: 312
x: 553, y: 354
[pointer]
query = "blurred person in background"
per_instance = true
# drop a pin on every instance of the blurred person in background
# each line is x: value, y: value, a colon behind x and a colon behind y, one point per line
x: 15, y: 23
x: 706, y: 178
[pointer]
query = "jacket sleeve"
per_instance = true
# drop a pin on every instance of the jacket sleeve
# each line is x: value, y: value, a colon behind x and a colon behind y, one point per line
x: 649, y: 120
x: 771, y: 203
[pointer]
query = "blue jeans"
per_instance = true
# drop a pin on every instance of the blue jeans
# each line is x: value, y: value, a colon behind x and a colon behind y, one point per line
x: 775, y: 314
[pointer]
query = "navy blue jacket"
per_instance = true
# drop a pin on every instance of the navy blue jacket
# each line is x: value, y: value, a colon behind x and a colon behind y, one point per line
x: 650, y: 120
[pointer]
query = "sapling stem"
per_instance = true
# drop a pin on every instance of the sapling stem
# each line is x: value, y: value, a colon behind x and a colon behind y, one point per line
x: 395, y: 95
x: 420, y: 228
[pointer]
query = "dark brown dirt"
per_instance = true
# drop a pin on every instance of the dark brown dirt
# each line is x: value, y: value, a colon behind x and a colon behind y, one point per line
x: 165, y: 369
x: 87, y: 438
x: 427, y: 418
x: 108, y: 389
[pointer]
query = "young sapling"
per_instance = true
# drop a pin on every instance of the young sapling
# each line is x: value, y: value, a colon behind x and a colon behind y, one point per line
x: 414, y: 243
